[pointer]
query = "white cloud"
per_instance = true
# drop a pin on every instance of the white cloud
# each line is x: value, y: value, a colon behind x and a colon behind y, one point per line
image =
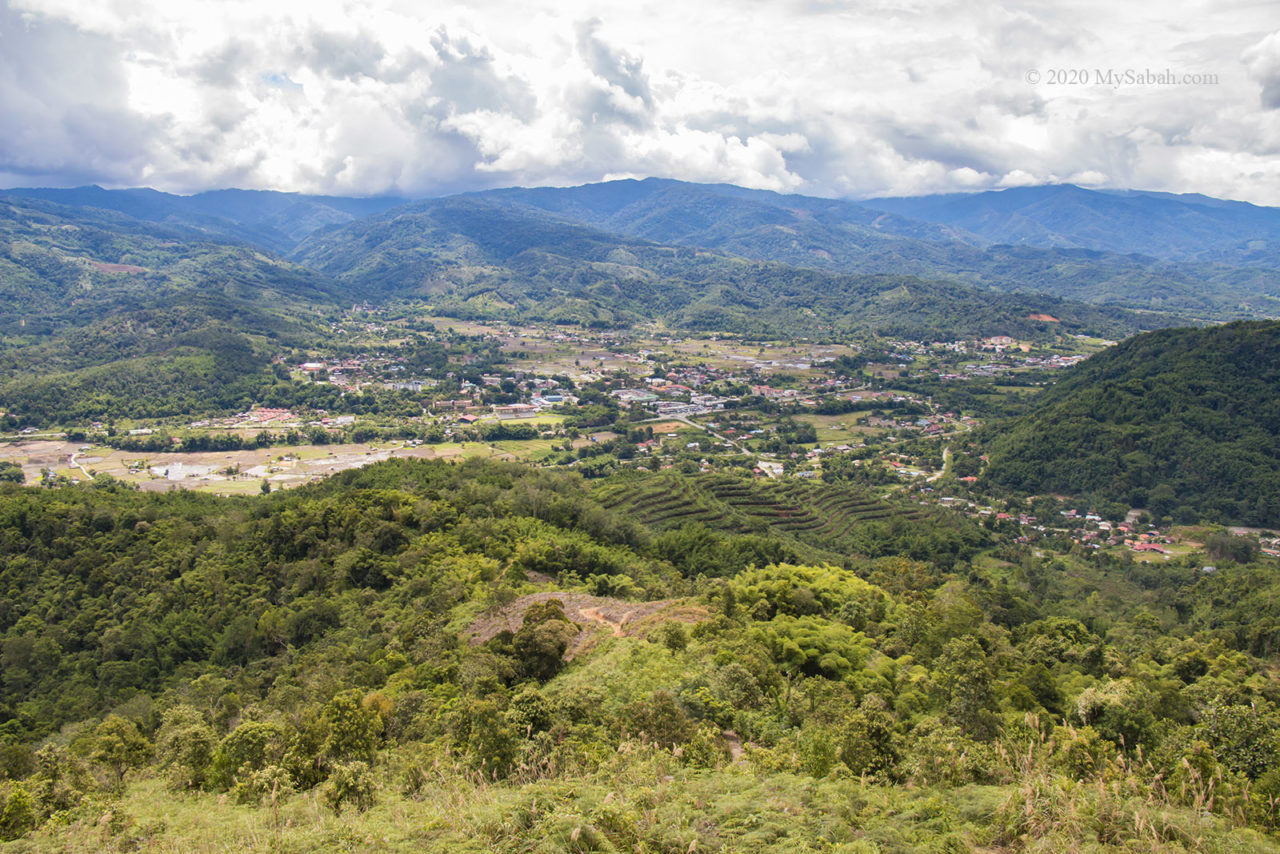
x: 1263, y: 62
x: 372, y: 96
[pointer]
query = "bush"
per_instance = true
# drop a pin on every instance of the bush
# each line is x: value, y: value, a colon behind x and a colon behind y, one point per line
x: 350, y: 784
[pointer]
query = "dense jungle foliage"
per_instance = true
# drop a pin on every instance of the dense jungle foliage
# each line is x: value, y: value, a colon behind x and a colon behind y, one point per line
x: 426, y: 656
x: 1185, y: 422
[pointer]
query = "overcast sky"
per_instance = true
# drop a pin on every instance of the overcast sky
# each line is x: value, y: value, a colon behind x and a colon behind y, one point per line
x: 824, y: 98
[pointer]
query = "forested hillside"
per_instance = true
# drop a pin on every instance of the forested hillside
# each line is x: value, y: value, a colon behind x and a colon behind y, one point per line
x: 1185, y: 422
x: 106, y: 316
x: 1193, y: 256
x: 1101, y: 248
x: 425, y: 656
x: 1163, y: 225
x: 270, y: 220
x: 476, y: 258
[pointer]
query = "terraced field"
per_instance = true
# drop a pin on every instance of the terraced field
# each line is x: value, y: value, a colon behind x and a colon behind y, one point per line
x: 817, y: 513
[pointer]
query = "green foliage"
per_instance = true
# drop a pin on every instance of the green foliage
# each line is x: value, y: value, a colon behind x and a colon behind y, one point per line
x: 185, y: 746
x: 1180, y: 421
x: 478, y: 729
x: 350, y: 784
x: 869, y: 745
x: 354, y: 728
x: 964, y: 678
x: 813, y: 646
x: 119, y: 746
x: 540, y: 643
x: 375, y: 635
x: 674, y: 637
x: 257, y: 745
x: 18, y: 815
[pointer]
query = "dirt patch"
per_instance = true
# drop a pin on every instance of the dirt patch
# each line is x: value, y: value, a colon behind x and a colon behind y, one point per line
x: 593, y: 614
x: 230, y: 472
x: 668, y: 426
x: 733, y: 741
x: 104, y: 267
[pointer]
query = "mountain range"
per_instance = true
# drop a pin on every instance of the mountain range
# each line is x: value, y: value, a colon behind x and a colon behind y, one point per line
x: 1188, y: 227
x: 91, y: 278
x: 1191, y: 256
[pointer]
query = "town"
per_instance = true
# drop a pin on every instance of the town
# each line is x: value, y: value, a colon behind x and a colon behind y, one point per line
x: 887, y: 414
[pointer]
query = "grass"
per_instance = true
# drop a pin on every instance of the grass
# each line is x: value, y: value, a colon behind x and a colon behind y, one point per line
x: 648, y: 667
x: 994, y: 567
x: 644, y: 799
x: 838, y: 428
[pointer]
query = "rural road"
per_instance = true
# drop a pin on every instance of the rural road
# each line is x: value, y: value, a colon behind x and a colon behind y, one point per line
x: 946, y: 461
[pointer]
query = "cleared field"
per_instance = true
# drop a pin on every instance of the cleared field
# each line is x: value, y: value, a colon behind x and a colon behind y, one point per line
x: 239, y: 472
x: 542, y: 352
x: 849, y: 427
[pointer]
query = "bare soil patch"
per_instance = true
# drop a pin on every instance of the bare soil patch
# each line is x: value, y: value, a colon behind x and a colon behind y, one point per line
x: 594, y: 615
x: 104, y: 267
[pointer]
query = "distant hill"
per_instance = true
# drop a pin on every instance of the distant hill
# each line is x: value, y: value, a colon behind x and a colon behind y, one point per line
x: 102, y: 314
x: 64, y: 265
x: 1196, y: 257
x: 1183, y: 421
x: 106, y: 315
x: 275, y: 221
x: 1081, y: 247
x: 477, y: 257
x: 1162, y: 225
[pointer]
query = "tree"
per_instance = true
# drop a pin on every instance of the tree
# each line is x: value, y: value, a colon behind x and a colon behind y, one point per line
x: 541, y: 642
x: 350, y: 783
x: 659, y: 719
x: 869, y: 745
x: 964, y: 677
x: 18, y: 814
x: 1223, y: 546
x: 119, y: 746
x: 674, y: 637
x: 185, y: 746
x: 484, y: 735
x: 354, y: 730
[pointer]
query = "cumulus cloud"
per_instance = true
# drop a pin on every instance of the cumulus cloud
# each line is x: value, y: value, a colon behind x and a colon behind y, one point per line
x: 377, y: 96
x: 1263, y: 62
x: 62, y: 96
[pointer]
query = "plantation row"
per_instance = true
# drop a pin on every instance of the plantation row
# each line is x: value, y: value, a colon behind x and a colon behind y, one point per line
x: 820, y: 514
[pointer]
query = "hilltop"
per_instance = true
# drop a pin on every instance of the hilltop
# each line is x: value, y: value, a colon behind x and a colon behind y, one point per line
x: 1185, y: 422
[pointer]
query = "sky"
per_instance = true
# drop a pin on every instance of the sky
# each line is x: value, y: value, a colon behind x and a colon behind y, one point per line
x: 851, y: 100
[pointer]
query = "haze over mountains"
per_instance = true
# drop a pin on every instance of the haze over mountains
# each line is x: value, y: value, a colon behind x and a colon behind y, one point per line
x: 1200, y: 258
x: 1163, y: 225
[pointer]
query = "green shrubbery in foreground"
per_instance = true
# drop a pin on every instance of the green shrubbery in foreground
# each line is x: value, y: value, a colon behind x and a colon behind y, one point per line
x: 354, y: 666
